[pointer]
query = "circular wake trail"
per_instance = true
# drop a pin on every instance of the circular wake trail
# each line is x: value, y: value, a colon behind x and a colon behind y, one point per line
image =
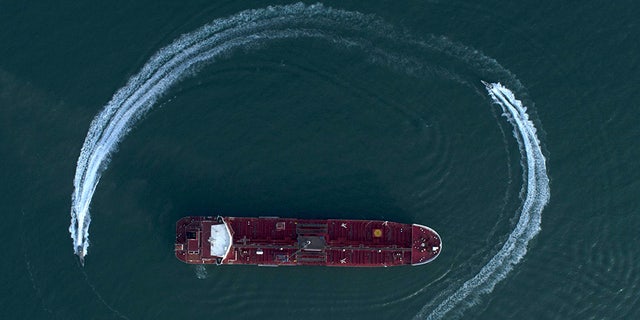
x: 536, y: 197
x: 170, y: 65
x: 251, y: 28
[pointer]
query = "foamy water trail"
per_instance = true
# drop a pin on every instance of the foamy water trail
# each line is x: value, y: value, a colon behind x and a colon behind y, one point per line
x: 184, y: 56
x: 528, y: 226
x: 170, y: 65
x: 201, y: 272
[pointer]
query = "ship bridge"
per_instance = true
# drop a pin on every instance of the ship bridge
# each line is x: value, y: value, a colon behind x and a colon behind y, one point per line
x: 202, y: 239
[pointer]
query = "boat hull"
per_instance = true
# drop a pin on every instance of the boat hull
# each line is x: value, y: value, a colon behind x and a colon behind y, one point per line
x: 272, y: 241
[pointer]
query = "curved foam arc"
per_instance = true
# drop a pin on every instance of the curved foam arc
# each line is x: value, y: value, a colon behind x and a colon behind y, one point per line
x: 181, y: 58
x: 528, y: 226
x: 164, y: 69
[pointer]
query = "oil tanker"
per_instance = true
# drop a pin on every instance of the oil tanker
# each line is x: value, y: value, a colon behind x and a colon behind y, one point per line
x: 273, y: 241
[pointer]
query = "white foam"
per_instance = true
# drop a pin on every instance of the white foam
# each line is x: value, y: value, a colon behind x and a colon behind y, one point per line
x: 245, y: 29
x: 170, y: 65
x: 201, y: 272
x: 528, y: 226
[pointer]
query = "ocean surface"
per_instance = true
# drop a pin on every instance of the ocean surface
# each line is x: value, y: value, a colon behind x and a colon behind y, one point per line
x: 510, y: 128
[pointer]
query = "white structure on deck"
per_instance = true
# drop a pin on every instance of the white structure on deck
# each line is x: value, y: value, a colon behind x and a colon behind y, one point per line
x: 220, y: 240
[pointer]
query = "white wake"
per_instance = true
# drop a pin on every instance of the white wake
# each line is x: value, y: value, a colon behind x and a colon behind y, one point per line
x: 184, y: 56
x: 170, y: 65
x: 528, y: 226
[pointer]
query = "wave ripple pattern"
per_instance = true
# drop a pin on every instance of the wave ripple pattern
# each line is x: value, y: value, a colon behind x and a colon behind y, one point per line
x: 530, y: 217
x: 191, y: 51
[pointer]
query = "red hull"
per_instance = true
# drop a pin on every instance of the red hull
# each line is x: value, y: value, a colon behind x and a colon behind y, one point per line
x: 278, y: 241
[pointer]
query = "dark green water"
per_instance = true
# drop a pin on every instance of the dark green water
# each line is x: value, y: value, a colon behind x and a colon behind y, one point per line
x: 353, y: 122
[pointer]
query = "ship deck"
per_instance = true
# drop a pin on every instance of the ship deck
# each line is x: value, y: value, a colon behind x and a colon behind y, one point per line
x: 280, y: 241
